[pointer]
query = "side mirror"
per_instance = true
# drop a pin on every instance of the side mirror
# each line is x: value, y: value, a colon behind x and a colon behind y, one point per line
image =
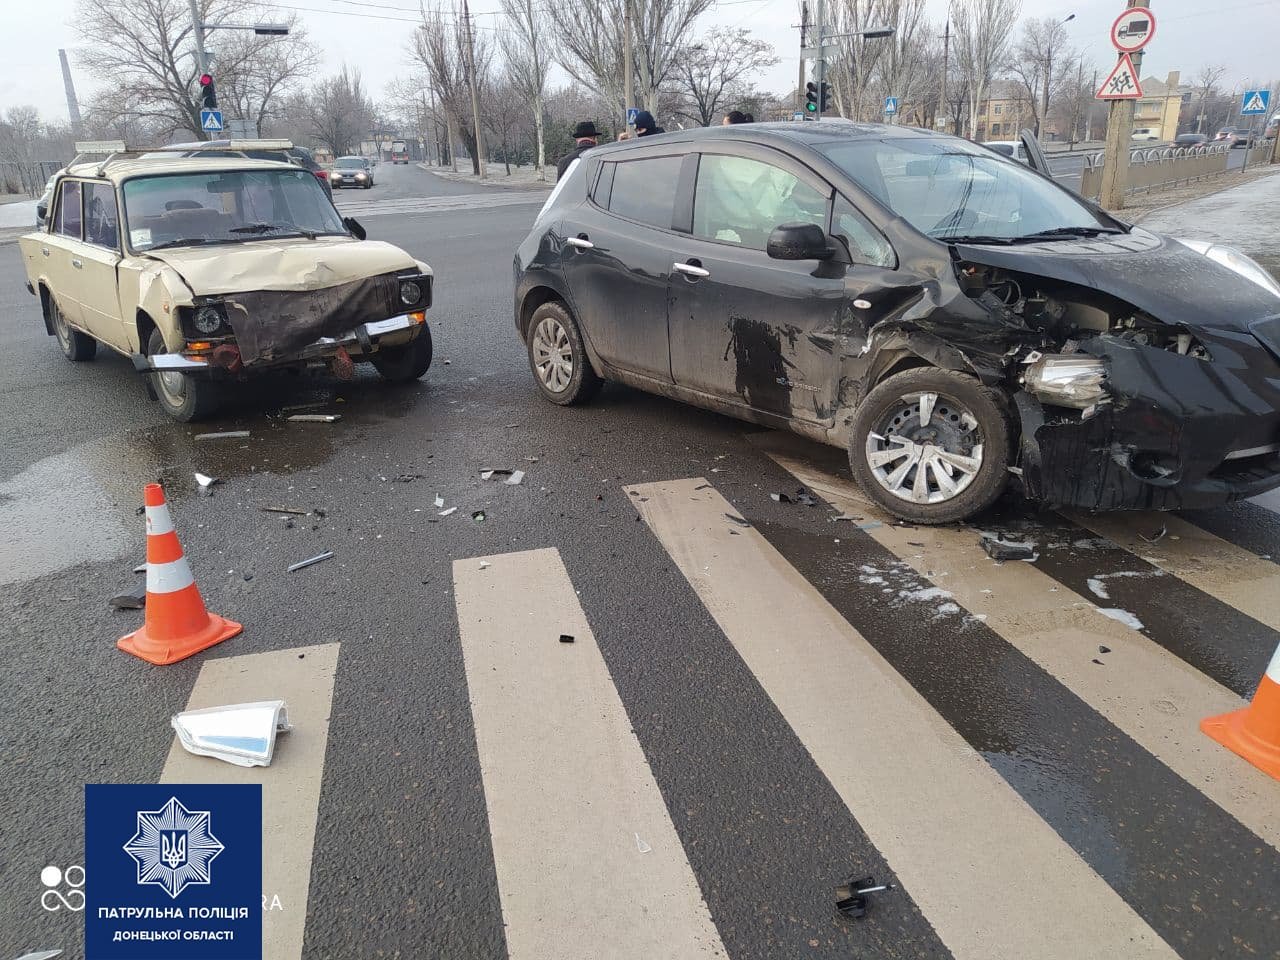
x: 798, y: 241
x: 354, y: 228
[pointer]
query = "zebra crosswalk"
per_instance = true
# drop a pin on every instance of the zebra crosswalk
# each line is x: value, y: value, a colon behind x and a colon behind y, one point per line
x: 401, y: 206
x: 1022, y: 760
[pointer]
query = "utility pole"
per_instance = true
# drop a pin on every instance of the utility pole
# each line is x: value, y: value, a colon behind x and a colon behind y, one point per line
x: 1088, y: 111
x: 628, y: 66
x: 946, y: 52
x: 1115, y: 164
x: 820, y: 61
x: 804, y: 30
x: 73, y: 105
x: 475, y: 88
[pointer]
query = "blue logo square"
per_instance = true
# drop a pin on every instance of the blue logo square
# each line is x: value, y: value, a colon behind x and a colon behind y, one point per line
x: 173, y: 871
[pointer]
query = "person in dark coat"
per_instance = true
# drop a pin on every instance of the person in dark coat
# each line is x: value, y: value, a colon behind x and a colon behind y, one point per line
x: 736, y: 116
x: 585, y: 135
x: 646, y: 126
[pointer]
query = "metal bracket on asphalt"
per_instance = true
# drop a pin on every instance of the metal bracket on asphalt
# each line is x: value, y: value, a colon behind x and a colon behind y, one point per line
x: 851, y: 896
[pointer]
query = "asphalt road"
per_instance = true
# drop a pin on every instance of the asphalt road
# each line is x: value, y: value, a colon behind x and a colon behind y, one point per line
x: 757, y: 712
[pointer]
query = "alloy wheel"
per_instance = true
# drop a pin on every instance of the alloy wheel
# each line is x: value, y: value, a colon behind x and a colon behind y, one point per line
x: 926, y: 449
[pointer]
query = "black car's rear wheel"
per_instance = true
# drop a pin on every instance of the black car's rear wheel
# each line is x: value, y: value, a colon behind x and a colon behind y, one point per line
x: 406, y: 361
x: 931, y: 446
x: 76, y: 346
x: 558, y: 357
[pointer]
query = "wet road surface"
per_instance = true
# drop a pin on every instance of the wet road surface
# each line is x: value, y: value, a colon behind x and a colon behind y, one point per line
x: 769, y: 705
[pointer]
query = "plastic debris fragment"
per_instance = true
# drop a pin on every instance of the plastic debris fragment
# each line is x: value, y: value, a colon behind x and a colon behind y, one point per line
x: 318, y: 558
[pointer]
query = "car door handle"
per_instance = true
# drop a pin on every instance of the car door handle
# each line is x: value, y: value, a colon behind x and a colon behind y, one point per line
x: 582, y: 243
x: 691, y: 269
x: 45, y: 251
x: 77, y: 264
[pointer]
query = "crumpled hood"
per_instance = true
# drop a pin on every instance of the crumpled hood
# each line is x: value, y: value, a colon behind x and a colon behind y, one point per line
x: 293, y: 264
x: 1156, y: 274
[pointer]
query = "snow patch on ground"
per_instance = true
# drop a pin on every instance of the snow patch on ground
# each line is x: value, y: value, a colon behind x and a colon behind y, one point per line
x: 1122, y: 616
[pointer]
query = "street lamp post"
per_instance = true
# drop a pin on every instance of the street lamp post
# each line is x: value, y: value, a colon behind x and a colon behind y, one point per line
x: 199, y: 28
x: 817, y: 52
x: 1048, y: 73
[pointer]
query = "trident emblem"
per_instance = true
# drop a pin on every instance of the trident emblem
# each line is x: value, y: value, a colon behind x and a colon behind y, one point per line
x: 173, y: 848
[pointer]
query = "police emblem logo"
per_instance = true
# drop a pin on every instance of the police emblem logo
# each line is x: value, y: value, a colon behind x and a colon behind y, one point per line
x: 173, y: 847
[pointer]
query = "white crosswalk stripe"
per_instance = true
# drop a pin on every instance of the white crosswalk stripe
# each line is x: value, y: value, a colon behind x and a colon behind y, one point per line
x: 363, y: 209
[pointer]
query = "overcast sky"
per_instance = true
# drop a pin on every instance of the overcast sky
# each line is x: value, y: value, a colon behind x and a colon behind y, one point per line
x: 371, y: 34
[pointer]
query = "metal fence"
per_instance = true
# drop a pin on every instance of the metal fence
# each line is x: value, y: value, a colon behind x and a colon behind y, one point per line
x: 1260, y: 152
x: 28, y: 177
x: 1159, y: 167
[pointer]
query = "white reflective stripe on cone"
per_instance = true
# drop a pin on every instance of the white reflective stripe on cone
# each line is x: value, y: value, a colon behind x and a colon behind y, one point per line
x: 169, y: 577
x: 1273, y: 668
x: 158, y: 520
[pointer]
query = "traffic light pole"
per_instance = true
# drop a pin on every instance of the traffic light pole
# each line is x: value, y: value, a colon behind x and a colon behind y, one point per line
x: 202, y: 58
x: 820, y: 61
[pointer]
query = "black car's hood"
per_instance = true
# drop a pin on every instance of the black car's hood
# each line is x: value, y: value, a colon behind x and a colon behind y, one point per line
x: 1158, y: 275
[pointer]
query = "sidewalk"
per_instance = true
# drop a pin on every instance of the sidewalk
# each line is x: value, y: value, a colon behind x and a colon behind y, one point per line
x: 1246, y: 216
x: 524, y: 178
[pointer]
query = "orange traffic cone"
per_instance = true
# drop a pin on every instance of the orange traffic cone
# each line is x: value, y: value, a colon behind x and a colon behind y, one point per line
x: 1254, y: 731
x: 177, y: 624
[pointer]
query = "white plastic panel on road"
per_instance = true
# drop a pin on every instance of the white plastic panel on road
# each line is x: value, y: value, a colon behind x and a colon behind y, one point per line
x: 934, y: 808
x: 589, y: 864
x: 303, y: 678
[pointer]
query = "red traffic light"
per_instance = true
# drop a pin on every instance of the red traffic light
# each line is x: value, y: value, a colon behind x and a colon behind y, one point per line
x: 205, y: 79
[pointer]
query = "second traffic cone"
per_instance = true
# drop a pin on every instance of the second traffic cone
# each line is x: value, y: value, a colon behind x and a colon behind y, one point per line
x: 1254, y: 731
x: 177, y: 623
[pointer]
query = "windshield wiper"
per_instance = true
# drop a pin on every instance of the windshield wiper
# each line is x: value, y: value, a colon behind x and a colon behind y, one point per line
x: 973, y: 238
x: 182, y: 242
x: 265, y: 227
x: 1070, y: 232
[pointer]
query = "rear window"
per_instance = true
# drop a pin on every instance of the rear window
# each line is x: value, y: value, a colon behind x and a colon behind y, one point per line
x: 645, y: 190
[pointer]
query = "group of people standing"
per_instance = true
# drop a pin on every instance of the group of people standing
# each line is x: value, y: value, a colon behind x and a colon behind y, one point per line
x: 586, y: 136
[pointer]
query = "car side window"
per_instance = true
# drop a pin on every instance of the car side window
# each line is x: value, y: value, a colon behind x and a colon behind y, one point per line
x: 865, y: 242
x: 741, y: 201
x: 101, y: 222
x: 67, y: 221
x: 645, y: 190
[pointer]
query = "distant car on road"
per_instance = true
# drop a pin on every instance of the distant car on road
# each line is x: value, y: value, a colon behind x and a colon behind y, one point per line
x: 207, y: 271
x: 399, y: 152
x: 1010, y: 148
x: 1145, y: 133
x: 1235, y: 137
x: 948, y: 318
x: 283, y: 151
x: 1191, y: 141
x: 351, y: 172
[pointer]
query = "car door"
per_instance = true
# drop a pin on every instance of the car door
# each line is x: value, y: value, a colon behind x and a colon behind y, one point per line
x: 96, y: 258
x: 1035, y: 156
x: 616, y: 259
x: 746, y: 327
x: 56, y: 249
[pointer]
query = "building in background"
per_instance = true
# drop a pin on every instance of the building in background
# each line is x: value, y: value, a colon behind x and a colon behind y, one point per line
x: 1006, y: 111
x: 1160, y: 106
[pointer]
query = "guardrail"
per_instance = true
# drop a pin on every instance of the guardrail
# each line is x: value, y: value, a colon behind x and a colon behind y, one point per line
x: 1158, y: 167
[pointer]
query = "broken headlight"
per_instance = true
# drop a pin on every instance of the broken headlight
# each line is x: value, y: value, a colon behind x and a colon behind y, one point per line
x: 206, y: 320
x: 1067, y: 381
x: 1236, y: 262
x: 410, y: 292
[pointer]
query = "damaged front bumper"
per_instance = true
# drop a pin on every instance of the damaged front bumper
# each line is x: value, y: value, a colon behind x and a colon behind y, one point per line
x: 360, y: 341
x: 1176, y: 432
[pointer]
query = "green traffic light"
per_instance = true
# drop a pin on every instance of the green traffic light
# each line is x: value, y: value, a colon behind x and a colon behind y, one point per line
x: 811, y: 107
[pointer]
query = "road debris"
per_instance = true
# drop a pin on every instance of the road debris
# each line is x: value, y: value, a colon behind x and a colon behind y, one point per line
x: 288, y: 510
x: 641, y: 845
x: 141, y: 568
x: 478, y: 516
x: 1102, y: 648
x: 42, y: 954
x: 1157, y: 536
x: 801, y: 496
x: 532, y: 459
x: 1122, y: 616
x: 223, y: 435
x: 206, y: 484
x: 738, y: 520
x: 485, y: 564
x: 1002, y: 550
x: 851, y: 896
x: 516, y: 478
x: 132, y: 600
x: 566, y: 638
x: 445, y: 513
x: 239, y: 733
x: 498, y: 472
x: 318, y: 558
x: 314, y: 418
x: 439, y: 500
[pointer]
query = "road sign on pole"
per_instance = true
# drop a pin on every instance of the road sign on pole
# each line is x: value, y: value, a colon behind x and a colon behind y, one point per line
x: 1122, y: 84
x: 632, y: 113
x: 1255, y: 102
x: 211, y: 121
x: 890, y: 106
x: 1133, y: 30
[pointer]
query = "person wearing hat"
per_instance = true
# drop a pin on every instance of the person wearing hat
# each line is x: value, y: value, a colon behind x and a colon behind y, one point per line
x: 585, y: 134
x: 645, y: 125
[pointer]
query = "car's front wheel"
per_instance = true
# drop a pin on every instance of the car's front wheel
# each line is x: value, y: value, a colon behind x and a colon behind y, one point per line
x: 407, y: 361
x: 76, y: 346
x: 182, y: 397
x: 558, y: 357
x: 931, y: 446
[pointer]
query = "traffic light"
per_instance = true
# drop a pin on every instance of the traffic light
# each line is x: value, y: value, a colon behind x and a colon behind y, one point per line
x: 208, y: 95
x: 811, y: 97
x: 825, y: 97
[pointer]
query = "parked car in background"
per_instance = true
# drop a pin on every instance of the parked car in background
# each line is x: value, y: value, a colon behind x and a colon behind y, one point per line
x: 351, y: 172
x: 1145, y: 133
x: 953, y: 321
x: 284, y: 151
x: 399, y: 152
x: 1190, y: 140
x: 210, y: 270
x: 42, y: 204
x: 1010, y: 148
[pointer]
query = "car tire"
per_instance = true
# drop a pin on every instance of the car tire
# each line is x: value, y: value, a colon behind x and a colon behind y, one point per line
x: 405, y: 362
x: 960, y: 439
x: 75, y: 346
x: 558, y: 357
x: 184, y: 398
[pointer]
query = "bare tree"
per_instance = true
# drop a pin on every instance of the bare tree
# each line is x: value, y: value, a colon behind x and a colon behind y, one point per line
x: 143, y: 50
x: 524, y: 47
x: 715, y: 70
x: 1207, y: 81
x: 1043, y: 41
x: 983, y: 36
x: 898, y: 68
x: 506, y: 119
x: 341, y: 112
x: 439, y: 44
x: 851, y: 69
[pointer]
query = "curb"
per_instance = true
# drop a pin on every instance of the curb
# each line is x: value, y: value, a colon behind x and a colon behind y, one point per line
x: 486, y: 184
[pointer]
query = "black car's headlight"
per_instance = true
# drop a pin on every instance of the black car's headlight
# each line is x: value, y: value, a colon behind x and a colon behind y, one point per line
x: 410, y: 292
x: 1067, y: 381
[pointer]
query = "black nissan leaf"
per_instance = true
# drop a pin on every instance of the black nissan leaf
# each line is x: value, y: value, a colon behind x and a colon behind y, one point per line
x: 954, y: 319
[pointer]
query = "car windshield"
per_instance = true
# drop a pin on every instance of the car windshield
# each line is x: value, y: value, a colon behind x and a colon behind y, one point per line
x: 952, y: 189
x: 350, y: 163
x: 226, y: 207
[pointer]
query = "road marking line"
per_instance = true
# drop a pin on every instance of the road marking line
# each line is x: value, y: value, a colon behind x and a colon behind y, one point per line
x: 1268, y: 501
x: 957, y: 835
x: 1222, y: 570
x: 303, y: 678
x: 1149, y: 693
x: 588, y: 861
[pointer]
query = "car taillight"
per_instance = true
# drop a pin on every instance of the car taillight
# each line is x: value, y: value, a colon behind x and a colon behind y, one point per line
x: 322, y: 174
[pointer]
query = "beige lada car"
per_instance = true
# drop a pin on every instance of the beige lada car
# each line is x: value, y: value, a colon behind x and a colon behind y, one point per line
x: 206, y: 271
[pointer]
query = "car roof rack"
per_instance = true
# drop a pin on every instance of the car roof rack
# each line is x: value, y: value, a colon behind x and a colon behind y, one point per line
x: 231, y: 144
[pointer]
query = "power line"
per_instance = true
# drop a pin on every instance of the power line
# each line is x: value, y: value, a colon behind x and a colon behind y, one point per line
x: 369, y: 16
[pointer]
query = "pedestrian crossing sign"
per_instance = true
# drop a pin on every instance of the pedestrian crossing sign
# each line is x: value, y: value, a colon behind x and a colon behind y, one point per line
x: 211, y: 121
x: 890, y: 106
x: 1255, y: 102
